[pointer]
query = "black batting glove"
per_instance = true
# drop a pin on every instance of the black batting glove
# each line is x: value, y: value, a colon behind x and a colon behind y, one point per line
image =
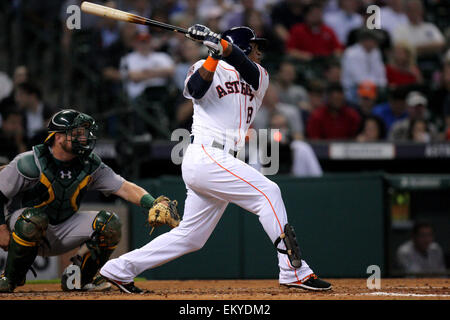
x: 198, y: 32
x: 212, y: 42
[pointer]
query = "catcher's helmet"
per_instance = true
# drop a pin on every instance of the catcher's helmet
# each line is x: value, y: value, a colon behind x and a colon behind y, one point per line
x: 68, y: 120
x: 242, y: 37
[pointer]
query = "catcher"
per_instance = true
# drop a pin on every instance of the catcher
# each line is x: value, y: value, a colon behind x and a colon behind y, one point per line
x: 40, y: 194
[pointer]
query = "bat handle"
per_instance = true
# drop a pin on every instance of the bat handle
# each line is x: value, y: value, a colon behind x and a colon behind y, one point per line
x: 166, y: 26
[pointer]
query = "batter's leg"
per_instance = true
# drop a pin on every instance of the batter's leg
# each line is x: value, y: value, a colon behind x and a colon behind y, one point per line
x: 235, y: 181
x: 201, y: 215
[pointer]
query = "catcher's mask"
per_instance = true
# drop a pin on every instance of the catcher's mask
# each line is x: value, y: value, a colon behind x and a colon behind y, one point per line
x: 80, y: 130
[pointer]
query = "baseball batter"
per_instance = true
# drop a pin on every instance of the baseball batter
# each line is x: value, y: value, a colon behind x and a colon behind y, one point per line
x: 40, y: 194
x: 227, y: 90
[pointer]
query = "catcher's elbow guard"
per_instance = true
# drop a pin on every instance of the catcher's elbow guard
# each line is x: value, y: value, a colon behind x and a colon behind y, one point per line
x: 292, y: 248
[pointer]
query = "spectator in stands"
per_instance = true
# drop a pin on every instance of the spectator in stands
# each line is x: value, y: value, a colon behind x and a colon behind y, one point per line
x: 372, y: 130
x: 238, y: 16
x: 89, y: 23
x: 147, y: 75
x: 384, y: 38
x: 419, y: 131
x: 145, y: 68
x: 333, y: 71
x: 393, y: 15
x: 345, y: 19
x: 335, y: 120
x: 187, y: 15
x: 272, y: 104
x: 213, y: 18
x: 296, y: 156
x: 447, y: 118
x: 111, y: 57
x: 142, y: 8
x: 290, y: 92
x: 418, y: 116
x: 209, y: 8
x: 312, y: 38
x: 394, y: 109
x: 162, y: 40
x: 421, y: 256
x: 263, y: 29
x: 111, y: 93
x: 362, y: 62
x: 109, y: 28
x: 12, y: 135
x: 402, y: 70
x: 20, y: 76
x: 285, y: 14
x: 37, y: 113
x: 423, y: 36
x: 316, y: 98
x: 190, y: 53
x: 6, y: 85
x: 367, y: 97
x: 441, y: 95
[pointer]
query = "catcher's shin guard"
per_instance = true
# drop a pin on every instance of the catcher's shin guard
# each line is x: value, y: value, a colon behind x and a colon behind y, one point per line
x: 97, y: 250
x: 29, y: 232
x: 292, y: 248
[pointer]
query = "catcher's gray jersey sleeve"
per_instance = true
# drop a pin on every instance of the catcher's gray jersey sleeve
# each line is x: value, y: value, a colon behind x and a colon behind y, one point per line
x: 105, y: 180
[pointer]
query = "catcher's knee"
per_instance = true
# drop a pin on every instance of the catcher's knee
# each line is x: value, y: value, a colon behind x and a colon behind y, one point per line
x: 30, y: 227
x: 107, y: 229
x: 94, y: 253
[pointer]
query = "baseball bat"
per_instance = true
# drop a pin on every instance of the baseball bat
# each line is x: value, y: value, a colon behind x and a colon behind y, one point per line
x: 116, y: 14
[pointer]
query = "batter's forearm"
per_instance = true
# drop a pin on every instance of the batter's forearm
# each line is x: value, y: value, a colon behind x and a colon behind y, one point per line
x: 201, y: 80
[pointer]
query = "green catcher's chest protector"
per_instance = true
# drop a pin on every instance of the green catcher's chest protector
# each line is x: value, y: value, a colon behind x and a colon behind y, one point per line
x: 61, y: 187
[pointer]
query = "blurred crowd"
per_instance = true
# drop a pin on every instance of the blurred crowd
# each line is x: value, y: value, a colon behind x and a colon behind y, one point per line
x: 333, y: 76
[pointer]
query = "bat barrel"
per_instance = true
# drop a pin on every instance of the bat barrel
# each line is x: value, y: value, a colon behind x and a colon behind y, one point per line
x: 116, y: 14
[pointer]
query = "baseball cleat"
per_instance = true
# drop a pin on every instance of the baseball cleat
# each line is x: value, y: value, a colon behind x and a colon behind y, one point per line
x: 5, y: 285
x: 127, y: 287
x: 312, y: 283
x: 98, y: 284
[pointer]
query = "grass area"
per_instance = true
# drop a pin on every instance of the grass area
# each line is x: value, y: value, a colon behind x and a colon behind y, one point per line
x: 43, y: 281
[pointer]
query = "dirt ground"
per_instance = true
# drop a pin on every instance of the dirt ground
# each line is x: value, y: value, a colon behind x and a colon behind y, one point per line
x: 343, y: 289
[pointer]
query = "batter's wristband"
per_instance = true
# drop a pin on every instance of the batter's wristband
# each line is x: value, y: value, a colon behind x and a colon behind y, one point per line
x: 210, y: 64
x: 147, y: 201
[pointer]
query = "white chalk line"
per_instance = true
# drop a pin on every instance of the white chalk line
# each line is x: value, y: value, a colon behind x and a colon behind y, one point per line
x: 397, y: 294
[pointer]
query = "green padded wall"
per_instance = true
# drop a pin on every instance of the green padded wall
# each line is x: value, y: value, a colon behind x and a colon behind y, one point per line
x: 339, y: 222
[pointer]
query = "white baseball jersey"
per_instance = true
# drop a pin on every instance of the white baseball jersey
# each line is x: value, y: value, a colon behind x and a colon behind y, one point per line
x: 228, y: 108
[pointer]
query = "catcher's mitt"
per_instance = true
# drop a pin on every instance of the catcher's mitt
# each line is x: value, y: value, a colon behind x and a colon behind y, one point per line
x: 162, y: 213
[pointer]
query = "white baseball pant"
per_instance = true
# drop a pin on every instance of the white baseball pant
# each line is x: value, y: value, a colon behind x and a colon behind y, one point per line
x: 213, y: 179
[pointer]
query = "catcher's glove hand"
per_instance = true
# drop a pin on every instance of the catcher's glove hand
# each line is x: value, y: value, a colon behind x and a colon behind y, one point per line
x: 164, y: 211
